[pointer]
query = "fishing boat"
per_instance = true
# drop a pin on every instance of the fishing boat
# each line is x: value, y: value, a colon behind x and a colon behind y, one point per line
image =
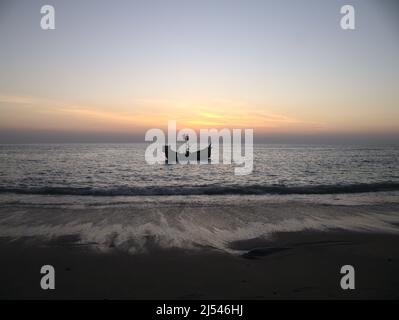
x: 173, y: 156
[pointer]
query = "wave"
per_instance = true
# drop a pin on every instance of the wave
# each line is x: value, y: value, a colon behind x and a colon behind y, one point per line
x: 207, y: 190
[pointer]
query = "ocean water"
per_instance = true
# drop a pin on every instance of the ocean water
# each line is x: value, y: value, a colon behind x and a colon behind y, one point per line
x: 121, y: 170
x: 107, y: 196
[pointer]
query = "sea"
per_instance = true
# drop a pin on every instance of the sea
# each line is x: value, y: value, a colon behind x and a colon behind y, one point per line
x: 108, y: 196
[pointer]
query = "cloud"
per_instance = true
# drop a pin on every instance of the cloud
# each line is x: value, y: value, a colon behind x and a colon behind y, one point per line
x: 145, y: 114
x: 19, y: 99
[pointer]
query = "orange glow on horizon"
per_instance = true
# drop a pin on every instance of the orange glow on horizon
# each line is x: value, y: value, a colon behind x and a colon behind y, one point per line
x: 21, y: 112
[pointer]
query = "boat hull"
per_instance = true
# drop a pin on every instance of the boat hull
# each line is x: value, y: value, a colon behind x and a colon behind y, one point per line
x: 202, y: 155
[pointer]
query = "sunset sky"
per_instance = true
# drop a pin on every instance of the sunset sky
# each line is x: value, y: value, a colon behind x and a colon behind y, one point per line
x: 113, y: 69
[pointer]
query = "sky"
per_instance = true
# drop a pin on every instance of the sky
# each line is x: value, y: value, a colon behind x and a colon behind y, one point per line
x: 113, y: 69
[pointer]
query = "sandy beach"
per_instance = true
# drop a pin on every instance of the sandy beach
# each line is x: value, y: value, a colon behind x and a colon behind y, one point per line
x: 199, y: 247
x: 299, y: 265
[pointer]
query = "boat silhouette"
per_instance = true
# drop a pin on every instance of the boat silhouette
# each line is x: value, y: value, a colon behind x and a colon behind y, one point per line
x: 173, y: 156
x: 200, y: 155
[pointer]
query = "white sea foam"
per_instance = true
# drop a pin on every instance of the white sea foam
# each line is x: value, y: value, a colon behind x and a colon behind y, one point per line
x: 137, y: 229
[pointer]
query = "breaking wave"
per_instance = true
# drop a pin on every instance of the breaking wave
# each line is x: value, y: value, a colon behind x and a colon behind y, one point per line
x: 207, y: 190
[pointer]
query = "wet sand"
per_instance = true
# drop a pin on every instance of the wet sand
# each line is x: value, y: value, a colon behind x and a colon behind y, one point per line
x: 294, y: 265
